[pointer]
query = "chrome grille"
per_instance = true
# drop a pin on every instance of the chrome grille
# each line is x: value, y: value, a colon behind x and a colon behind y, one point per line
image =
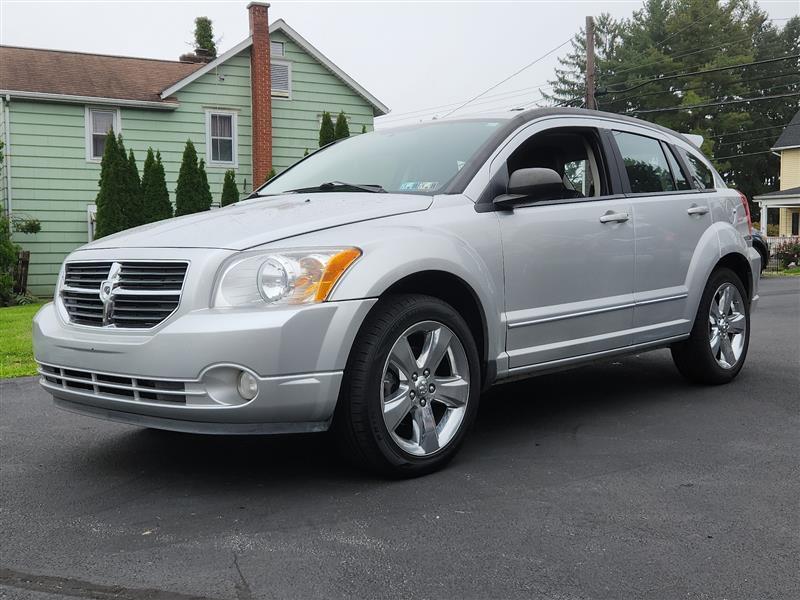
x: 114, y: 387
x: 144, y: 292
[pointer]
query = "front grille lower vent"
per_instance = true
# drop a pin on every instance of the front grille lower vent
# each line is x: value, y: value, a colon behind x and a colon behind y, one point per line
x: 114, y: 387
x: 138, y: 295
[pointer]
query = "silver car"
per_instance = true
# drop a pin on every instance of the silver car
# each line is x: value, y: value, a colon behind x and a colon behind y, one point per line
x: 380, y: 284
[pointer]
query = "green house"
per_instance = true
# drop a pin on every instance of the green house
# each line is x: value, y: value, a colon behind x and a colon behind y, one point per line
x: 256, y: 107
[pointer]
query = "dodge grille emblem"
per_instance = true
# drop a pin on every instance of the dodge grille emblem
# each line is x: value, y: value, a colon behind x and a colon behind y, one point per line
x: 107, y: 289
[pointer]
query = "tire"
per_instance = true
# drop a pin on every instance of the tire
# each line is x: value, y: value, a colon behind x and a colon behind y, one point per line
x: 696, y: 358
x: 377, y: 388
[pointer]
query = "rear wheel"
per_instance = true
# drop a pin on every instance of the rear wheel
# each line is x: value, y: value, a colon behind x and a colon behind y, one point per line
x: 716, y: 350
x: 411, y: 387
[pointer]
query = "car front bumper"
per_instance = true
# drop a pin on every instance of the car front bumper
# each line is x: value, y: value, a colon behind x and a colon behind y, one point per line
x: 183, y: 376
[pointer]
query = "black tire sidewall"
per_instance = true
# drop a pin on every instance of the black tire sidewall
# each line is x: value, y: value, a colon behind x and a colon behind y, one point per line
x: 407, y: 311
x: 701, y: 334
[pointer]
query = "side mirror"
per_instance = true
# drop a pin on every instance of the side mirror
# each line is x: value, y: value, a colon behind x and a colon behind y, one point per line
x: 527, y: 184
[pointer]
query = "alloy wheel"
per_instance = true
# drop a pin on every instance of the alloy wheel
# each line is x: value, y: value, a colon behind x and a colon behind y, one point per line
x: 425, y: 388
x: 727, y: 324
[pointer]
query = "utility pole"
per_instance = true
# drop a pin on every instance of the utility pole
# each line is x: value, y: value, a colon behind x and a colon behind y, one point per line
x: 590, y: 102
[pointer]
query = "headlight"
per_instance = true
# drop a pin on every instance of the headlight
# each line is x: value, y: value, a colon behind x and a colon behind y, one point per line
x: 301, y: 276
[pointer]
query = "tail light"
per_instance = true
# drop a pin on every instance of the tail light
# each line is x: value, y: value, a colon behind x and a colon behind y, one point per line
x: 746, y: 205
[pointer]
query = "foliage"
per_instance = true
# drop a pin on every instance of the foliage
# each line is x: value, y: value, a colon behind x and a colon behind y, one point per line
x: 787, y: 251
x: 204, y: 36
x: 683, y: 36
x: 114, y: 193
x: 364, y: 128
x: 271, y: 173
x: 205, y: 190
x: 327, y: 132
x: 155, y: 196
x: 192, y: 193
x: 306, y: 152
x: 16, y: 351
x: 342, y: 129
x: 230, y: 193
x: 25, y: 224
x: 134, y: 208
x: 8, y: 260
x: 24, y: 299
x: 2, y: 156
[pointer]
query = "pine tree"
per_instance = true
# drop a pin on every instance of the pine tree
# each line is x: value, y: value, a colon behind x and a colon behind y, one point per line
x: 204, y: 191
x: 111, y: 197
x: 271, y: 173
x: 364, y: 128
x: 342, y: 129
x: 155, y: 197
x: 327, y: 133
x: 187, y: 190
x: 134, y: 208
x: 204, y: 37
x: 230, y: 193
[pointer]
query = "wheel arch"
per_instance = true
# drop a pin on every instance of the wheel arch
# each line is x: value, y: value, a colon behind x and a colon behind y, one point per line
x: 737, y: 263
x: 462, y: 297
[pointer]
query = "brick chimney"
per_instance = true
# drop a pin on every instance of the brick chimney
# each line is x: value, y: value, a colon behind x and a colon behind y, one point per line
x: 261, y: 91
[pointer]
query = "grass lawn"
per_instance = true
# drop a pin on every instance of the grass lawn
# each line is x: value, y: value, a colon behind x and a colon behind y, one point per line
x: 16, y: 350
x: 795, y: 272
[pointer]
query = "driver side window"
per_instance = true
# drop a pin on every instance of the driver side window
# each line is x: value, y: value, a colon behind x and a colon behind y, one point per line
x: 572, y: 153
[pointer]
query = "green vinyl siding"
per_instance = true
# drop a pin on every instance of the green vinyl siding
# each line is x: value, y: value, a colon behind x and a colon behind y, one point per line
x: 314, y: 89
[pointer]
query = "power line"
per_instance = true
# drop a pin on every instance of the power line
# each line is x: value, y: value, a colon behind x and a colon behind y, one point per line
x: 758, y: 129
x: 742, y: 155
x: 723, y: 103
x: 689, y: 26
x: 759, y: 139
x: 530, y: 64
x: 700, y: 87
x: 509, y: 94
x: 704, y: 71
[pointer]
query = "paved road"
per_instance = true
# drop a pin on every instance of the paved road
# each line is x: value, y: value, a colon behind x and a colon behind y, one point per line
x: 616, y: 481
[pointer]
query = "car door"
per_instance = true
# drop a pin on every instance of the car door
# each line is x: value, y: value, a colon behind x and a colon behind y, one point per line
x: 670, y: 216
x: 568, y: 263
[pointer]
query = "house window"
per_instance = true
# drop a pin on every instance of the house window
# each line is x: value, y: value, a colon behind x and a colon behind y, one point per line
x: 221, y: 138
x: 276, y: 49
x: 99, y: 121
x: 281, y: 77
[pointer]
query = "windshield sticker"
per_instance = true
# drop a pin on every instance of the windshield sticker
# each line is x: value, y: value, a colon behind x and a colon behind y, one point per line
x: 418, y: 186
x: 460, y: 164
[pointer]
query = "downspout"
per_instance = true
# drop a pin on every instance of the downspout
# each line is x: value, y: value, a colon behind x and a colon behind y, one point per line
x: 7, y: 153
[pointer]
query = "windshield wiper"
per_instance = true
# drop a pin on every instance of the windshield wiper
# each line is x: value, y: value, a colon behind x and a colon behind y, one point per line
x: 330, y: 186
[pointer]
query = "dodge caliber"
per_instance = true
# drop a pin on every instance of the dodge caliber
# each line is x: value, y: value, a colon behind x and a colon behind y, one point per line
x: 379, y: 285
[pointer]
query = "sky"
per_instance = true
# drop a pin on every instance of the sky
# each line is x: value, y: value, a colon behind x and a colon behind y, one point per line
x: 422, y: 59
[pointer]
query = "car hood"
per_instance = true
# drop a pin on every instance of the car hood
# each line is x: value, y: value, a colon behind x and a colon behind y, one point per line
x: 262, y: 220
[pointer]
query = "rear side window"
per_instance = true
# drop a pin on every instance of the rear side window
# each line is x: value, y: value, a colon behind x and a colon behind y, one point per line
x: 645, y: 163
x: 677, y: 173
x: 702, y: 178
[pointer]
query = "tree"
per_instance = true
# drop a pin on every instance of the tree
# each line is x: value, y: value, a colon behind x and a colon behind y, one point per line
x: 204, y: 37
x: 134, y: 208
x: 364, y: 128
x: 327, y: 133
x: 674, y: 37
x: 342, y: 129
x: 271, y: 173
x: 188, y: 192
x: 155, y: 196
x: 205, y: 198
x: 230, y: 193
x: 113, y: 194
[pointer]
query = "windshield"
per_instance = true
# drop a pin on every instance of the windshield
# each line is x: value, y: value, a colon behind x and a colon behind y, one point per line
x: 418, y: 159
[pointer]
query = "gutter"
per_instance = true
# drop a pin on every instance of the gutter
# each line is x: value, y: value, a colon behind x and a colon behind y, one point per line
x: 7, y: 153
x: 22, y: 95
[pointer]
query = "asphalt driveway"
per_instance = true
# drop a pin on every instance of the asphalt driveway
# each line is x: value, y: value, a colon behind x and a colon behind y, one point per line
x: 615, y: 481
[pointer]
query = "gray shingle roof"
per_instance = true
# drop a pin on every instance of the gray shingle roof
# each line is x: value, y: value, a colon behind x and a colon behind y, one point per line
x: 790, y: 137
x: 795, y: 191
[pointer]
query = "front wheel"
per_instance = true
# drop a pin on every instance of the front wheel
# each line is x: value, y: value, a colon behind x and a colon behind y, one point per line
x: 411, y: 387
x: 716, y: 350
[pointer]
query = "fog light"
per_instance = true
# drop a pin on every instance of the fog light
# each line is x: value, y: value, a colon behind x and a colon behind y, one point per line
x: 247, y: 385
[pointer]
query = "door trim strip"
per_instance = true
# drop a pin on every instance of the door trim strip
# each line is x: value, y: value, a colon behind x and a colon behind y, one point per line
x: 597, y: 311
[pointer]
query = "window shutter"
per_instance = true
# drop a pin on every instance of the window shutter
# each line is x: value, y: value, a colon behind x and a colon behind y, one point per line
x: 280, y: 79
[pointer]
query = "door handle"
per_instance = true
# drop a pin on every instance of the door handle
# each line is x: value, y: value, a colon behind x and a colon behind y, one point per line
x: 697, y: 210
x: 614, y: 217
